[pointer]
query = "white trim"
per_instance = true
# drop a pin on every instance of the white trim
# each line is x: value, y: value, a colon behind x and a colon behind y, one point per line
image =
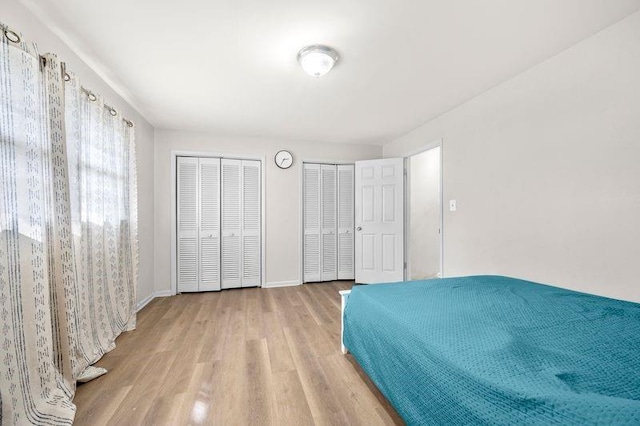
x: 423, y: 148
x: 441, y: 212
x: 325, y: 161
x: 263, y: 215
x: 407, y: 218
x: 174, y: 228
x: 301, y: 222
x: 344, y: 298
x: 144, y: 302
x: 406, y: 155
x: 155, y: 173
x: 173, y: 155
x: 179, y: 153
x: 282, y: 284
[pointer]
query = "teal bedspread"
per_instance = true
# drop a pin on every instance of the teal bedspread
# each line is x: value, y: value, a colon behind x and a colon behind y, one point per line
x: 497, y: 350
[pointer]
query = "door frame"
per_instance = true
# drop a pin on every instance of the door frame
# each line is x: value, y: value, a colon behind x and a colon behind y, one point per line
x: 407, y: 205
x: 174, y: 229
x: 301, y: 205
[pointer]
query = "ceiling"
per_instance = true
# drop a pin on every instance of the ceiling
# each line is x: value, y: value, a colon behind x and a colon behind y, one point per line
x: 229, y: 66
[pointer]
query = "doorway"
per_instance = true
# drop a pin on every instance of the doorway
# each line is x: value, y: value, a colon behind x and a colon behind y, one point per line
x: 424, y: 215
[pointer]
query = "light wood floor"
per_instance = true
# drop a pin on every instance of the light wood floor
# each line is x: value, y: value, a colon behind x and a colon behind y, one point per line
x: 245, y: 357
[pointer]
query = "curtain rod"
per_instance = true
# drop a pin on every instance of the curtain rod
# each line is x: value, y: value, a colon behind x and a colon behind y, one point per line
x: 92, y: 97
x: 14, y: 38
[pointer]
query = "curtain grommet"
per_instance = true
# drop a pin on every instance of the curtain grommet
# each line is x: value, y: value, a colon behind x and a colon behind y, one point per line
x: 113, y: 112
x: 67, y: 77
x: 92, y: 97
x: 12, y: 36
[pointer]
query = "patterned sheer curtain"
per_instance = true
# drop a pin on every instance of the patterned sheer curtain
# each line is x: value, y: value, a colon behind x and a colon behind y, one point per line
x: 101, y: 153
x: 68, y: 235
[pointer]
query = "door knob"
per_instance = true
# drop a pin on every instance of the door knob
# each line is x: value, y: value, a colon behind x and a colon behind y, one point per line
x: 359, y: 228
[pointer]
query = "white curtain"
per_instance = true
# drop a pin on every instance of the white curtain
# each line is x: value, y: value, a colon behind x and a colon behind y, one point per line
x: 68, y: 234
x: 101, y: 155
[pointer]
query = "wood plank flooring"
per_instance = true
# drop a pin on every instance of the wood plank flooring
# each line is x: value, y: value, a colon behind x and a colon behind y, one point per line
x: 237, y: 357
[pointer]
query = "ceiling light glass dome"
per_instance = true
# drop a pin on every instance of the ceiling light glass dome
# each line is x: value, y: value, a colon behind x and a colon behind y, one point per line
x: 317, y: 60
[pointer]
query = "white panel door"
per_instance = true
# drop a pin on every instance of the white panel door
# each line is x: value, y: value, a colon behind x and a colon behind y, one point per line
x: 379, y: 213
x: 187, y: 224
x: 345, y: 222
x: 251, y: 224
x: 209, y: 195
x: 311, y: 222
x: 328, y: 185
x: 231, y: 227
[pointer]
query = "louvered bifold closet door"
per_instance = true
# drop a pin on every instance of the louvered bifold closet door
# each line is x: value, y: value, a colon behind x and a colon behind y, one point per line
x: 328, y: 188
x: 251, y: 223
x: 209, y: 224
x: 231, y: 223
x: 311, y: 222
x: 187, y: 224
x: 345, y: 222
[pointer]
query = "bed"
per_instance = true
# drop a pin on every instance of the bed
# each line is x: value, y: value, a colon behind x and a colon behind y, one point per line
x: 496, y: 350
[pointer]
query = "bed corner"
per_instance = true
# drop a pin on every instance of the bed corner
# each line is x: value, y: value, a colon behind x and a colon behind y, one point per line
x: 344, y: 296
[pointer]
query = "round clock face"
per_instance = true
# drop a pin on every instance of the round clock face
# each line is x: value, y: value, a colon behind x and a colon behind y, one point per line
x: 284, y: 159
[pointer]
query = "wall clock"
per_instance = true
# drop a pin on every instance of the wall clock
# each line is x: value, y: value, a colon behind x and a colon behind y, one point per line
x: 283, y: 159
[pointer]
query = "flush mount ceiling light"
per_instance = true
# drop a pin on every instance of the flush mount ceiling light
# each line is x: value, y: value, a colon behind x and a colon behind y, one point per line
x: 317, y: 60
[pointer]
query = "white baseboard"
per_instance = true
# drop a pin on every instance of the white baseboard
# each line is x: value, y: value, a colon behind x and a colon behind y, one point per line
x: 281, y: 284
x: 144, y: 302
x: 165, y: 293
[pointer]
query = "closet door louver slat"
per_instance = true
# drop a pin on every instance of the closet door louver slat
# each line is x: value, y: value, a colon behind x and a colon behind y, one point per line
x: 209, y: 224
x: 311, y: 220
x: 345, y: 222
x: 329, y: 223
x: 231, y: 223
x: 251, y: 223
x: 187, y: 224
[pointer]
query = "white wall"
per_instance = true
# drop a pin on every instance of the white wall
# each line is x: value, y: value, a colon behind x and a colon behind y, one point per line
x: 16, y: 16
x: 283, y: 191
x: 546, y: 170
x: 424, y: 214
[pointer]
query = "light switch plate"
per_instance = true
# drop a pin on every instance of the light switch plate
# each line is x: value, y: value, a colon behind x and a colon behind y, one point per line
x: 452, y: 206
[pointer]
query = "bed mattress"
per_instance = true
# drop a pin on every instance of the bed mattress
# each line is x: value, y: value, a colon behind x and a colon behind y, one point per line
x: 497, y: 350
